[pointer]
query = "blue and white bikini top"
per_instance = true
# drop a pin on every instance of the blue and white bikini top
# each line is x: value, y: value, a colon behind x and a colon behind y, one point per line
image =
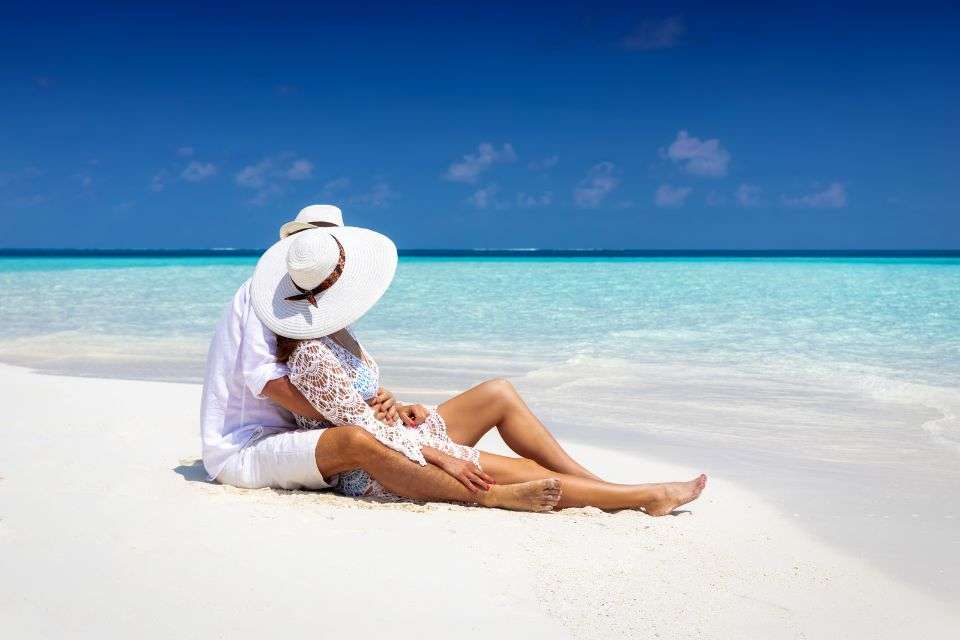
x: 366, y: 378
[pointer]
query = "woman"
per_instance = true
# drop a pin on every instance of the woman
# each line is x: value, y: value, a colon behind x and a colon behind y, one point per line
x: 309, y: 290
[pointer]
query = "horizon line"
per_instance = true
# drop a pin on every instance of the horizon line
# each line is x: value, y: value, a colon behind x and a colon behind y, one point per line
x: 39, y: 252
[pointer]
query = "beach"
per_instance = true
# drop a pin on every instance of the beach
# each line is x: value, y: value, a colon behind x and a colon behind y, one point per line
x: 108, y: 527
x: 820, y: 395
x: 797, y: 377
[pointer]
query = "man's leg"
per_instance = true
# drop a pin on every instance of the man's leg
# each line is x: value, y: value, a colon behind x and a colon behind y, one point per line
x: 341, y: 449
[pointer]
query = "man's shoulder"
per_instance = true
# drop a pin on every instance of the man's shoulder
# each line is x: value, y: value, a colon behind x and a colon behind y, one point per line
x: 240, y: 304
x: 243, y: 293
x: 236, y: 310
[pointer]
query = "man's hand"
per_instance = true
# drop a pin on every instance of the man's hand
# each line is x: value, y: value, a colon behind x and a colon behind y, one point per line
x: 384, y: 406
x: 413, y: 415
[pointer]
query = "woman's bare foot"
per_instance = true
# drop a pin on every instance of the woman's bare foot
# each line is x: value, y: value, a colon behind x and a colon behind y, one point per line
x: 537, y: 495
x: 676, y: 494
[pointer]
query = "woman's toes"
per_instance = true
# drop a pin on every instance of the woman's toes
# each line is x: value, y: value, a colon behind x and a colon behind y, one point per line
x: 699, y: 485
x: 552, y: 496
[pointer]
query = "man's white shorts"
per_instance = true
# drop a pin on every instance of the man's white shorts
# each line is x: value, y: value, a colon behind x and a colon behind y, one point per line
x: 284, y: 460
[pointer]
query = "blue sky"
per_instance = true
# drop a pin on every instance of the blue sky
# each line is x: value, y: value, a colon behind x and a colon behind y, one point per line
x: 449, y: 125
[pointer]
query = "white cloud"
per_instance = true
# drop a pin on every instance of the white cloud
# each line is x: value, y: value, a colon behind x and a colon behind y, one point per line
x: 198, y: 171
x: 335, y: 186
x: 528, y: 201
x: 159, y: 181
x: 272, y: 175
x: 85, y: 179
x: 300, y: 169
x: 544, y: 165
x: 699, y: 157
x: 655, y: 34
x: 266, y: 193
x: 670, y: 196
x: 193, y: 171
x: 379, y: 195
x: 254, y: 176
x: 484, y: 198
x: 600, y: 181
x: 748, y: 195
x: 473, y: 164
x: 833, y: 197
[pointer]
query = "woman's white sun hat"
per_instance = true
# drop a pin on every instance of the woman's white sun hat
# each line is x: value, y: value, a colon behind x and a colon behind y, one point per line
x: 319, y: 281
x: 316, y: 215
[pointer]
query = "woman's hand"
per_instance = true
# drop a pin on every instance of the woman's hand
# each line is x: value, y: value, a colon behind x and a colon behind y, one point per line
x: 384, y: 406
x: 466, y: 472
x: 413, y: 415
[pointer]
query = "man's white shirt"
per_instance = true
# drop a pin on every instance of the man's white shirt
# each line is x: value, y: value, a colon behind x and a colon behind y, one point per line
x: 241, y: 361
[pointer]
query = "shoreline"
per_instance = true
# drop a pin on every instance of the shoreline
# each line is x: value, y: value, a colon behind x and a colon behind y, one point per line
x: 101, y: 500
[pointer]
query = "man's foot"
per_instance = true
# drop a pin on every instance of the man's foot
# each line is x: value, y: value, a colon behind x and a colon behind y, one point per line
x: 537, y: 495
x: 676, y: 494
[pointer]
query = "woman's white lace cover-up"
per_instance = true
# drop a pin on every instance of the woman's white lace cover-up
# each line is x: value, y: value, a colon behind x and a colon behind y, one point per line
x: 325, y: 381
x: 330, y: 377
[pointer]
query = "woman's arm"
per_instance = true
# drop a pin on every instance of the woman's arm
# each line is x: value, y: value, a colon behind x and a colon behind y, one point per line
x: 284, y: 393
x: 317, y: 373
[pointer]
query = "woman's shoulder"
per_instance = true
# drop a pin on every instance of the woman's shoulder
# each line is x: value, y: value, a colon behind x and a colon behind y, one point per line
x: 309, y: 351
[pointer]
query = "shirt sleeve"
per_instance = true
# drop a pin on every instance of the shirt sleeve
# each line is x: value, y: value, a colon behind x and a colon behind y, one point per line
x: 321, y: 378
x: 258, y: 356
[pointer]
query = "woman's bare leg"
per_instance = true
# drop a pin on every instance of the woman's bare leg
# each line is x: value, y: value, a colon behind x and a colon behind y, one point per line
x: 340, y: 449
x: 496, y: 403
x: 656, y: 499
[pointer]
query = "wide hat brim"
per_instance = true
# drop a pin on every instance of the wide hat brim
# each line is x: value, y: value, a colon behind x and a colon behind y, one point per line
x: 289, y: 228
x: 371, y: 262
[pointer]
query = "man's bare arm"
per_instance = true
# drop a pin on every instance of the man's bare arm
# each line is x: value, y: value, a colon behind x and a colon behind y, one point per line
x: 282, y: 391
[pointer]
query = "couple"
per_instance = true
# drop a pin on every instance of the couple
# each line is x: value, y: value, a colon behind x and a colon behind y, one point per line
x: 291, y: 400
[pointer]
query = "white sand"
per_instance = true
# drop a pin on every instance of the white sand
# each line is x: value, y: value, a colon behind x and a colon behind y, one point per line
x: 107, y: 529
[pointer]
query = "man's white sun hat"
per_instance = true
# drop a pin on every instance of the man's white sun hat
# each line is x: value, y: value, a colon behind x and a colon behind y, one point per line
x: 316, y: 215
x: 319, y: 281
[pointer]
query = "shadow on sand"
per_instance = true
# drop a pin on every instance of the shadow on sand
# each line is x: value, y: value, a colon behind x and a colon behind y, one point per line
x: 192, y: 471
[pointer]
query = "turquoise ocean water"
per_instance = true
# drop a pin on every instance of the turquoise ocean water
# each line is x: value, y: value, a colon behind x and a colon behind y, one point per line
x: 831, y: 385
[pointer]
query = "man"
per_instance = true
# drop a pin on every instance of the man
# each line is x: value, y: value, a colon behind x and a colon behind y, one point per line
x: 247, y: 396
